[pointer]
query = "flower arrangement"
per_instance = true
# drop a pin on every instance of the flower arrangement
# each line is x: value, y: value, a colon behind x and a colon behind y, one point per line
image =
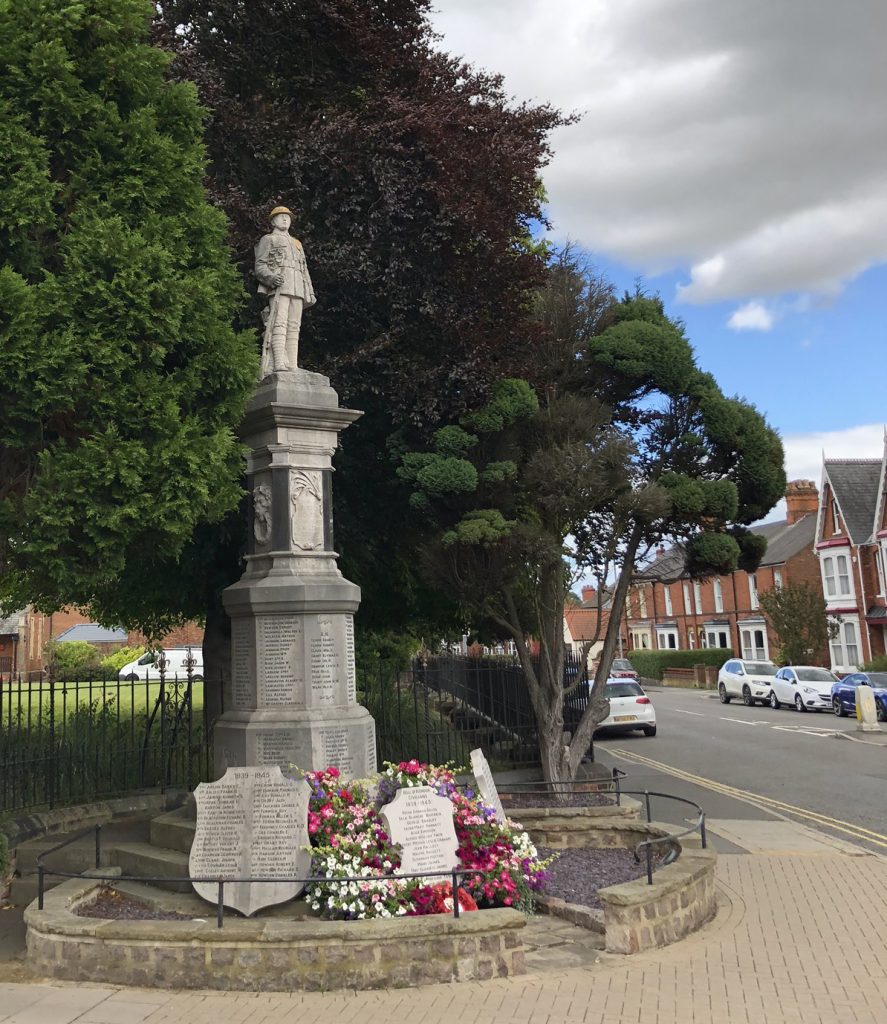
x: 501, y: 865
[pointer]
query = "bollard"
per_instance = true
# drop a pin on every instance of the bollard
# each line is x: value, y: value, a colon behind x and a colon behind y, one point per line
x: 866, y: 710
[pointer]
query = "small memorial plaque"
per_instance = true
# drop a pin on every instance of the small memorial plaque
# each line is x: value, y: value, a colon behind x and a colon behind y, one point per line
x: 421, y: 822
x: 485, y: 784
x: 252, y: 823
x: 243, y: 669
x: 281, y: 677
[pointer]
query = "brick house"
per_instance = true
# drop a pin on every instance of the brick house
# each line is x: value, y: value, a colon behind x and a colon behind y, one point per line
x: 581, y: 624
x: 25, y: 634
x: 851, y: 545
x: 668, y: 610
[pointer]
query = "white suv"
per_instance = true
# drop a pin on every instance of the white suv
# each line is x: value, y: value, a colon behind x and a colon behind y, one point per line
x: 750, y: 680
x: 148, y: 665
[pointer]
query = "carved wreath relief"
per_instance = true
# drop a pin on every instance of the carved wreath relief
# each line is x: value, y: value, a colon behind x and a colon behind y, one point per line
x: 307, y: 505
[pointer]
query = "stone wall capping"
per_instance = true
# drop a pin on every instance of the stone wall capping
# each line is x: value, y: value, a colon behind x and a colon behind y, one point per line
x: 692, y: 866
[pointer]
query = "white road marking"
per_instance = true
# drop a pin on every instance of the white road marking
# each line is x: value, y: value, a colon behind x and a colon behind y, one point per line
x: 799, y: 731
x: 742, y: 721
x: 681, y: 711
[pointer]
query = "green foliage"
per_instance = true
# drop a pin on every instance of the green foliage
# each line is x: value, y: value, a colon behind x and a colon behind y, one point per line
x: 877, y: 664
x: 123, y: 380
x: 711, y: 554
x: 498, y: 473
x: 113, y: 663
x: 512, y: 400
x: 446, y: 475
x: 72, y: 656
x: 482, y: 526
x: 797, y: 613
x: 453, y: 441
x: 652, y: 664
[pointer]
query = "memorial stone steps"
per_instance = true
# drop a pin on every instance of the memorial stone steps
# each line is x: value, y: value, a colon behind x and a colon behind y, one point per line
x: 142, y: 860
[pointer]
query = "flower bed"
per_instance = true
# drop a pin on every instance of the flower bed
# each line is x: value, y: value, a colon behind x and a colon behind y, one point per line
x: 500, y: 864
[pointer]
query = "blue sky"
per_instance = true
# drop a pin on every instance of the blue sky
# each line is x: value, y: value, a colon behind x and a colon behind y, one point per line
x: 731, y: 155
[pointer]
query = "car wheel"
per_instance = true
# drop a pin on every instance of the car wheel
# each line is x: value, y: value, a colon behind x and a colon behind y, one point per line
x: 747, y: 698
x: 838, y: 708
x: 722, y: 694
x: 774, y: 701
x: 649, y: 730
x: 799, y: 704
x: 132, y: 678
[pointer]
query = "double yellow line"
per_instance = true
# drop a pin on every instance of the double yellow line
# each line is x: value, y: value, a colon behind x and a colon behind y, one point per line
x: 764, y: 802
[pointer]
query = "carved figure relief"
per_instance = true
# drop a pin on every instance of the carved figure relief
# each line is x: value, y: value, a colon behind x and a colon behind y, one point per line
x: 262, y: 514
x: 306, y: 498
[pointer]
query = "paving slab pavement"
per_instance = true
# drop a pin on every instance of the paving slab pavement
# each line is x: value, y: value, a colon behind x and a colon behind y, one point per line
x: 799, y: 937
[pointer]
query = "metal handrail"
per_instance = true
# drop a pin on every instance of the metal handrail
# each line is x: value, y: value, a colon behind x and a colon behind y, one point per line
x: 616, y: 782
x: 42, y: 872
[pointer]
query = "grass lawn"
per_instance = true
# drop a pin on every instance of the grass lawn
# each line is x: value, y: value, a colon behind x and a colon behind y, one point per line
x: 24, y: 702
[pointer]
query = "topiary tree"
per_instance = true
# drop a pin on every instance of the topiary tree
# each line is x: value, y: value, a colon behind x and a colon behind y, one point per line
x: 123, y: 379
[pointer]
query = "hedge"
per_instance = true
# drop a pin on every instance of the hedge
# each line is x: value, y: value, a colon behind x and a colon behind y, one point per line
x: 652, y: 664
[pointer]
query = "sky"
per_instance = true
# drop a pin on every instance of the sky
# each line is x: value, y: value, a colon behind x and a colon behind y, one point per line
x: 733, y: 155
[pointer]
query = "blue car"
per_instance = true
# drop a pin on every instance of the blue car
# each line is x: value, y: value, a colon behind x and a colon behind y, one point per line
x: 844, y: 693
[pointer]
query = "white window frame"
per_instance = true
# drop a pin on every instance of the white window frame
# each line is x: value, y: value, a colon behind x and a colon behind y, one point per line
x: 777, y: 579
x: 754, y: 641
x: 829, y: 586
x: 881, y: 561
x: 717, y: 638
x: 691, y: 639
x: 719, y: 595
x: 753, y: 592
x: 668, y: 634
x: 688, y: 608
x: 845, y: 647
x: 845, y: 587
x: 642, y: 603
x: 836, y: 516
x: 669, y: 610
x: 697, y: 597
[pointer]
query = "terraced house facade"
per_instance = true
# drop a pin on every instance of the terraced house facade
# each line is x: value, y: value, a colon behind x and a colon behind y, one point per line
x: 851, y: 545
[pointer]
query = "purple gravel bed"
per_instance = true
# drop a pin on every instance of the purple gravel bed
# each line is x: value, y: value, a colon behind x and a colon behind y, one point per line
x: 109, y: 903
x: 519, y: 799
x: 577, y: 874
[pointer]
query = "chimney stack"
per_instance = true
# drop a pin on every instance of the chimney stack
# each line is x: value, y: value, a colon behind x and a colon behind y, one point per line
x: 589, y: 594
x: 801, y: 499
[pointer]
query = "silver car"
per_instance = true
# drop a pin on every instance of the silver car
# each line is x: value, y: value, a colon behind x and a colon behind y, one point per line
x: 750, y: 680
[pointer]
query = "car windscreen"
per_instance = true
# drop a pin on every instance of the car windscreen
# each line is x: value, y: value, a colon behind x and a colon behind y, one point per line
x: 760, y: 668
x: 814, y: 675
x: 622, y: 665
x: 624, y: 689
x: 878, y: 678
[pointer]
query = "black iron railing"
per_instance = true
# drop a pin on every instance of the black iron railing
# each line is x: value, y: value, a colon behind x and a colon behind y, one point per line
x: 43, y: 872
x: 70, y: 740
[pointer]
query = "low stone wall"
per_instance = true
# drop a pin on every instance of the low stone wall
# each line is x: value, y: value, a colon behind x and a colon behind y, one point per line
x: 682, y: 898
x: 604, y: 827
x: 270, y: 954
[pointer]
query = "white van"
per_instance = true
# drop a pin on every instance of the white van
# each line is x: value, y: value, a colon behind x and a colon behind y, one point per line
x: 147, y: 667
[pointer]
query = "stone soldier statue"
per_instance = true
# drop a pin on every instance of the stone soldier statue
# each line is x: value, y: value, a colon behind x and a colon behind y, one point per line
x: 283, y: 274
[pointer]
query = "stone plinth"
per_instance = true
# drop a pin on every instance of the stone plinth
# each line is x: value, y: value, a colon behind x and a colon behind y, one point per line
x: 292, y: 697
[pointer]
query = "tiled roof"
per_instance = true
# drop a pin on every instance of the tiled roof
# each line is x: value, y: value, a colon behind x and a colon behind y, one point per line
x: 583, y: 623
x: 790, y: 540
x: 855, y: 485
x: 783, y: 542
x: 11, y: 624
x: 92, y: 633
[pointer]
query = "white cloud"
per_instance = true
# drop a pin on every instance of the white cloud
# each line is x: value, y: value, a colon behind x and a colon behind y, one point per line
x: 803, y: 452
x: 744, y: 140
x: 751, y: 317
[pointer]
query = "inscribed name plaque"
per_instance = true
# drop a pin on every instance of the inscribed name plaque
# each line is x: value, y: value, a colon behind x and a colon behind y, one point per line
x: 252, y: 823
x: 485, y: 784
x: 420, y: 821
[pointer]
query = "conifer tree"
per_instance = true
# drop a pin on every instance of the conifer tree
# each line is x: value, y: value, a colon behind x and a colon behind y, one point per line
x: 123, y: 380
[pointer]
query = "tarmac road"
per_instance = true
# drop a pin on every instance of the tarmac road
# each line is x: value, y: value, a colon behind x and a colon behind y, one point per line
x: 757, y: 763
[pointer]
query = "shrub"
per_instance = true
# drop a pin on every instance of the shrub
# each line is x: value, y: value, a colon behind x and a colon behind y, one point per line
x: 652, y: 664
x: 113, y: 663
x: 72, y: 656
x: 877, y: 664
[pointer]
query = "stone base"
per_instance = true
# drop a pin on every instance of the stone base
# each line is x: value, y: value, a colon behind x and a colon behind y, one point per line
x: 344, y: 737
x: 267, y: 953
